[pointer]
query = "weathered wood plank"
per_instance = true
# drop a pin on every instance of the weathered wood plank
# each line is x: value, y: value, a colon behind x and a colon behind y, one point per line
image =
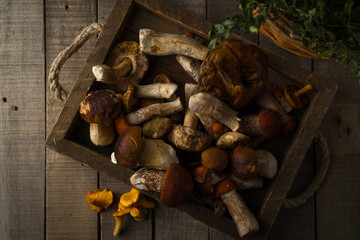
x: 67, y: 181
x: 22, y: 116
x: 131, y: 229
x: 338, y: 200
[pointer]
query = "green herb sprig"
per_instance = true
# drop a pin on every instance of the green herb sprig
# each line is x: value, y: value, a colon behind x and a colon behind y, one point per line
x: 329, y: 27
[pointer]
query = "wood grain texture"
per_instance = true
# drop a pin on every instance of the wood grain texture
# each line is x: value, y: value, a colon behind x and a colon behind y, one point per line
x: 338, y: 200
x: 22, y: 117
x: 67, y: 181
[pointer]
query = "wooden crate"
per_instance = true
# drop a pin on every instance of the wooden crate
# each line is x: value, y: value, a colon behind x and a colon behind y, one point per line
x: 70, y: 135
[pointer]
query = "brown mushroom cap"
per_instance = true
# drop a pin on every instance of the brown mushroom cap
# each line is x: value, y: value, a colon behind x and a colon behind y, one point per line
x: 127, y: 147
x: 269, y: 123
x: 177, y: 186
x: 224, y: 187
x: 295, y: 102
x: 243, y: 162
x: 140, y: 62
x: 100, y: 106
x: 215, y: 158
x: 235, y: 72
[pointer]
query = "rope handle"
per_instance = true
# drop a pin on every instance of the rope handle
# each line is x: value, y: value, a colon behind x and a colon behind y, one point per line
x: 65, y: 54
x: 324, y: 161
x: 96, y: 28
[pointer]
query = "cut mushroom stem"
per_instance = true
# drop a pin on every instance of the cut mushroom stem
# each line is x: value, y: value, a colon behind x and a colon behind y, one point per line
x: 148, y: 179
x: 161, y: 44
x: 252, y: 183
x: 267, y: 164
x: 208, y: 105
x: 244, y: 219
x: 156, y: 90
x: 111, y: 75
x: 190, y: 119
x: 154, y: 110
x: 190, y: 65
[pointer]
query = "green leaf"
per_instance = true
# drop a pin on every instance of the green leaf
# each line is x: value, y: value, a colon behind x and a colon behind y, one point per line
x: 212, y: 44
x: 253, y: 29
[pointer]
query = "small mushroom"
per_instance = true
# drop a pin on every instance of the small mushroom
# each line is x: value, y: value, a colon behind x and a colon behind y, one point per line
x: 292, y: 97
x: 268, y: 101
x: 266, y: 123
x: 157, y: 127
x: 161, y: 44
x: 215, y: 159
x: 245, y: 163
x: 176, y: 185
x: 126, y: 65
x: 99, y: 108
x: 186, y: 137
x: 208, y: 105
x: 132, y: 151
x: 244, y: 219
x: 154, y: 110
x: 232, y: 139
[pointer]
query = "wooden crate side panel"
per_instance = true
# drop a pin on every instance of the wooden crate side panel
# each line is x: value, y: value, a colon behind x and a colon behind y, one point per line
x: 22, y: 117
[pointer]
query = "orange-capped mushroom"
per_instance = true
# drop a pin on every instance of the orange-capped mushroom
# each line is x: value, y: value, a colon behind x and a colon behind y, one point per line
x: 99, y: 200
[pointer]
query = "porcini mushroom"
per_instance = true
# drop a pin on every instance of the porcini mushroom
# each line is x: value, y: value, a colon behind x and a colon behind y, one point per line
x: 268, y: 101
x: 215, y: 159
x: 186, y: 136
x: 125, y: 65
x: 266, y: 123
x: 154, y: 110
x: 161, y: 44
x: 157, y: 127
x: 132, y: 151
x: 235, y: 72
x: 208, y: 105
x: 176, y: 185
x: 99, y: 108
x: 244, y: 219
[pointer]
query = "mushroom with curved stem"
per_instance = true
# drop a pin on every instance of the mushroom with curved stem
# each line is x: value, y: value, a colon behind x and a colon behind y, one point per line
x: 154, y: 110
x: 126, y: 65
x: 162, y: 44
x: 132, y: 151
x: 175, y: 185
x: 187, y: 137
x: 99, y: 108
x: 292, y: 97
x: 244, y: 219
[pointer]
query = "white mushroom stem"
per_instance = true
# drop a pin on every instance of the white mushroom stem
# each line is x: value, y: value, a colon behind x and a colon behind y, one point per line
x: 208, y: 105
x: 208, y: 124
x: 148, y: 179
x: 269, y: 102
x: 190, y: 119
x: 190, y: 65
x: 102, y: 134
x: 252, y: 183
x: 154, y: 110
x: 156, y: 90
x: 244, y: 219
x: 287, y: 108
x: 161, y: 44
x: 267, y: 164
x: 154, y: 154
x: 111, y: 75
x: 232, y: 139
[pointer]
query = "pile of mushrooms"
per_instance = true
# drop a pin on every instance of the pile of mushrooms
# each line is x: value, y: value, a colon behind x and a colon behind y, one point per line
x: 212, y: 121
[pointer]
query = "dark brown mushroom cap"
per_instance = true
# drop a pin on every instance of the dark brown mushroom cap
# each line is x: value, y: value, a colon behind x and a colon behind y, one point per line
x: 224, y: 187
x: 243, y: 163
x: 295, y: 102
x: 128, y: 146
x: 100, y: 106
x: 177, y: 187
x: 235, y: 72
x: 215, y: 158
x: 140, y: 62
x: 269, y: 123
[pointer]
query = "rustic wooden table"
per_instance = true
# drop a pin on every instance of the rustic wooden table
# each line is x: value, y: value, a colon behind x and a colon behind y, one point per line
x: 42, y: 193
